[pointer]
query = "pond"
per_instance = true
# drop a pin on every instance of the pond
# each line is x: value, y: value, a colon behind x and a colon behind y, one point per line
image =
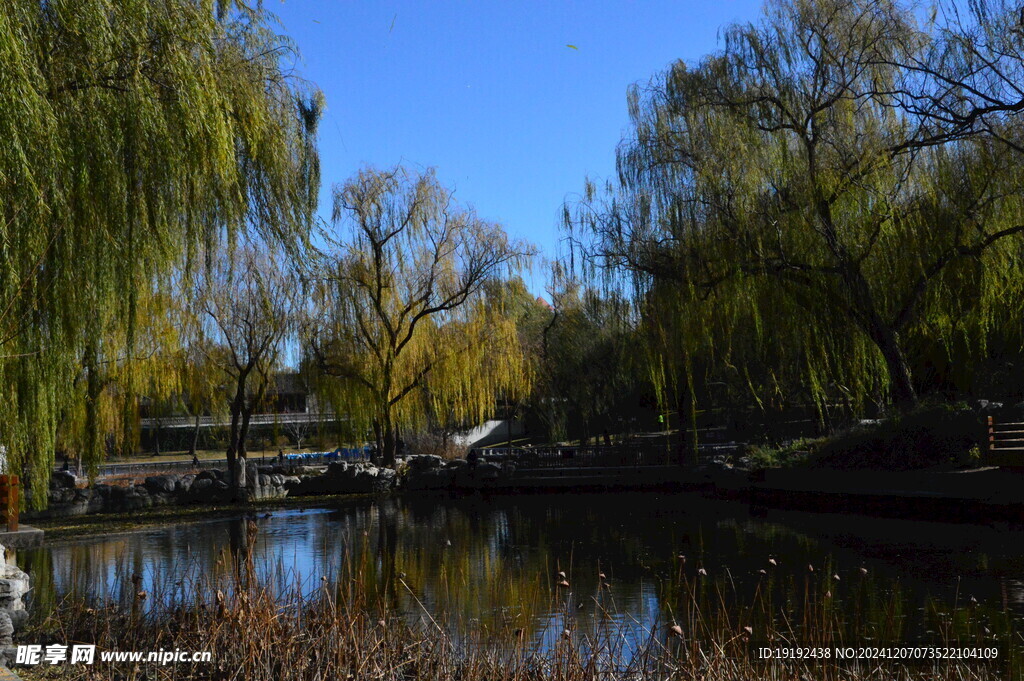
x: 492, y: 563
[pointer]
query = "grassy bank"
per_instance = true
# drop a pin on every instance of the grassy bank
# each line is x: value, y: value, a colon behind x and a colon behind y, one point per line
x: 931, y: 435
x: 365, y: 623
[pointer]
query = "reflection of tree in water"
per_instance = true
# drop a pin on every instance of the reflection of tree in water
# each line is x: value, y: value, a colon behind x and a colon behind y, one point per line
x: 38, y: 565
x: 1014, y: 591
x: 488, y: 564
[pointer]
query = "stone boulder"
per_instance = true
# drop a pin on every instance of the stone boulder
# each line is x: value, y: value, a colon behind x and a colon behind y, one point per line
x: 184, y: 483
x: 201, y: 486
x: 344, y: 478
x: 210, y: 474
x: 13, y: 585
x: 487, y: 471
x: 63, y: 480
x: 162, y: 484
x: 458, y: 474
x: 260, y: 486
x: 440, y: 478
x: 424, y: 462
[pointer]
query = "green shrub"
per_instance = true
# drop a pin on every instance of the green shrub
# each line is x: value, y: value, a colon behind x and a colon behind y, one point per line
x: 790, y: 454
x: 926, y: 436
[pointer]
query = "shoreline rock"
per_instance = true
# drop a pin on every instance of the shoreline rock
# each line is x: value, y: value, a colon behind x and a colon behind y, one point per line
x: 67, y: 498
x: 14, y: 584
x: 433, y: 473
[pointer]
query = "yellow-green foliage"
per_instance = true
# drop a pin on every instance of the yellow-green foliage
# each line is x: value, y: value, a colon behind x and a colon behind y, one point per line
x: 588, y: 358
x: 783, y: 218
x: 134, y: 133
x: 406, y: 329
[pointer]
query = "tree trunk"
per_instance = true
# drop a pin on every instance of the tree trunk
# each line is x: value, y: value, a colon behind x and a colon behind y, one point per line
x: 239, y: 430
x: 900, y: 384
x: 863, y: 304
x: 195, y: 436
x: 243, y: 431
x: 238, y: 480
x: 93, y: 389
x: 378, y: 442
x: 236, y: 412
x: 901, y: 387
x: 390, y: 446
x: 232, y: 440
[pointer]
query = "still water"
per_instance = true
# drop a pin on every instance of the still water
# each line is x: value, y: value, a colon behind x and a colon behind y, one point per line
x: 492, y: 562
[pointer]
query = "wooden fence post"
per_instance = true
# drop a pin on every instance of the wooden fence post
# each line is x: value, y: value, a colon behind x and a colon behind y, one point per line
x: 9, y: 501
x: 991, y: 436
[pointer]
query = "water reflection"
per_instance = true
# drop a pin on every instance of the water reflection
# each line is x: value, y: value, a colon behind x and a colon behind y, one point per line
x: 491, y: 563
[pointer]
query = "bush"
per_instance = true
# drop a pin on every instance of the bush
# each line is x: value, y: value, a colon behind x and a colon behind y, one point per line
x: 788, y: 454
x: 929, y: 435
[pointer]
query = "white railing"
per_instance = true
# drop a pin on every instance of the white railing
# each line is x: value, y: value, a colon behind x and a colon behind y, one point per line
x: 255, y: 420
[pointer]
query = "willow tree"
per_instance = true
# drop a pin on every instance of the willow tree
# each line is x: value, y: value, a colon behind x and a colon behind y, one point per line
x: 249, y: 308
x: 403, y: 327
x: 198, y: 365
x: 780, y: 182
x: 587, y: 377
x: 100, y: 414
x: 968, y: 82
x: 134, y: 134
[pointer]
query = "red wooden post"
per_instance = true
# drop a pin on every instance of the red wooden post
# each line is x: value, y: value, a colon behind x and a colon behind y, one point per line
x: 9, y: 501
x: 12, y: 518
x: 991, y: 436
x: 5, y: 496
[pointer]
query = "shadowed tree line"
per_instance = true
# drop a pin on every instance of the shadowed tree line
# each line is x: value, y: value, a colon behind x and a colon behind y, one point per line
x: 827, y: 210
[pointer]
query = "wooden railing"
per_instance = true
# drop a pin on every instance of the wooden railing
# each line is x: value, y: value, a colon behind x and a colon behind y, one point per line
x: 9, y: 502
x: 1005, y: 444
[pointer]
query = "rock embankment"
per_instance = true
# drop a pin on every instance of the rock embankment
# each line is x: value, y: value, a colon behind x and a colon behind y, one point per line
x: 345, y: 478
x: 434, y: 473
x: 71, y: 496
x: 14, y: 584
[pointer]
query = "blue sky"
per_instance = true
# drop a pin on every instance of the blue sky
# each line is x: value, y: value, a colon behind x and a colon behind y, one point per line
x: 489, y: 93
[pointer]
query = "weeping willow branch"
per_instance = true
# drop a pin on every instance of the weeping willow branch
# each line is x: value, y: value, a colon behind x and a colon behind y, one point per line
x: 137, y: 135
x: 792, y: 205
x: 408, y: 327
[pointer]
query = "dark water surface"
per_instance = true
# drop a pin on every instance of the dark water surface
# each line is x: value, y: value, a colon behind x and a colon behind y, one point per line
x: 491, y: 562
